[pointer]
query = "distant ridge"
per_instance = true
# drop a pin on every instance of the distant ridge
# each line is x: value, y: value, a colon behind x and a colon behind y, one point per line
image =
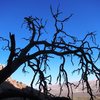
x: 13, y: 85
x: 18, y: 89
x: 78, y: 93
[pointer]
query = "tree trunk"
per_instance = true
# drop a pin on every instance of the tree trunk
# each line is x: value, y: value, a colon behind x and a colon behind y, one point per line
x: 9, y: 70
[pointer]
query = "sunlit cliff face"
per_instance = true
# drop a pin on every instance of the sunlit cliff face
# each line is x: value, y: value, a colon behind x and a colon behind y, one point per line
x: 1, y: 66
x: 15, y: 83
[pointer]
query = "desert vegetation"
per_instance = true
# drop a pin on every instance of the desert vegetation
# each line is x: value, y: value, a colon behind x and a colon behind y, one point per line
x: 38, y: 51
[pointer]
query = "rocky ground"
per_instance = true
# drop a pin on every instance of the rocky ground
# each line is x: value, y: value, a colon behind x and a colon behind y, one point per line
x: 11, y: 85
x: 14, y: 87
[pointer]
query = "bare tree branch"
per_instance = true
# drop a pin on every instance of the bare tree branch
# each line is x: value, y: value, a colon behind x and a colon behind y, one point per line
x: 38, y: 52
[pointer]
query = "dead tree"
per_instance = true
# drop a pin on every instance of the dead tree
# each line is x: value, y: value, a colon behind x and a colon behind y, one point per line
x: 38, y: 51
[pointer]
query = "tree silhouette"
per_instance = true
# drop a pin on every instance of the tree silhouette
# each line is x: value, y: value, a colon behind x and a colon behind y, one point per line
x: 38, y: 51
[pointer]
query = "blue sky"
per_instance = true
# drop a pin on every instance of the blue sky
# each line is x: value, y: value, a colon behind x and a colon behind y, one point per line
x: 86, y: 18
